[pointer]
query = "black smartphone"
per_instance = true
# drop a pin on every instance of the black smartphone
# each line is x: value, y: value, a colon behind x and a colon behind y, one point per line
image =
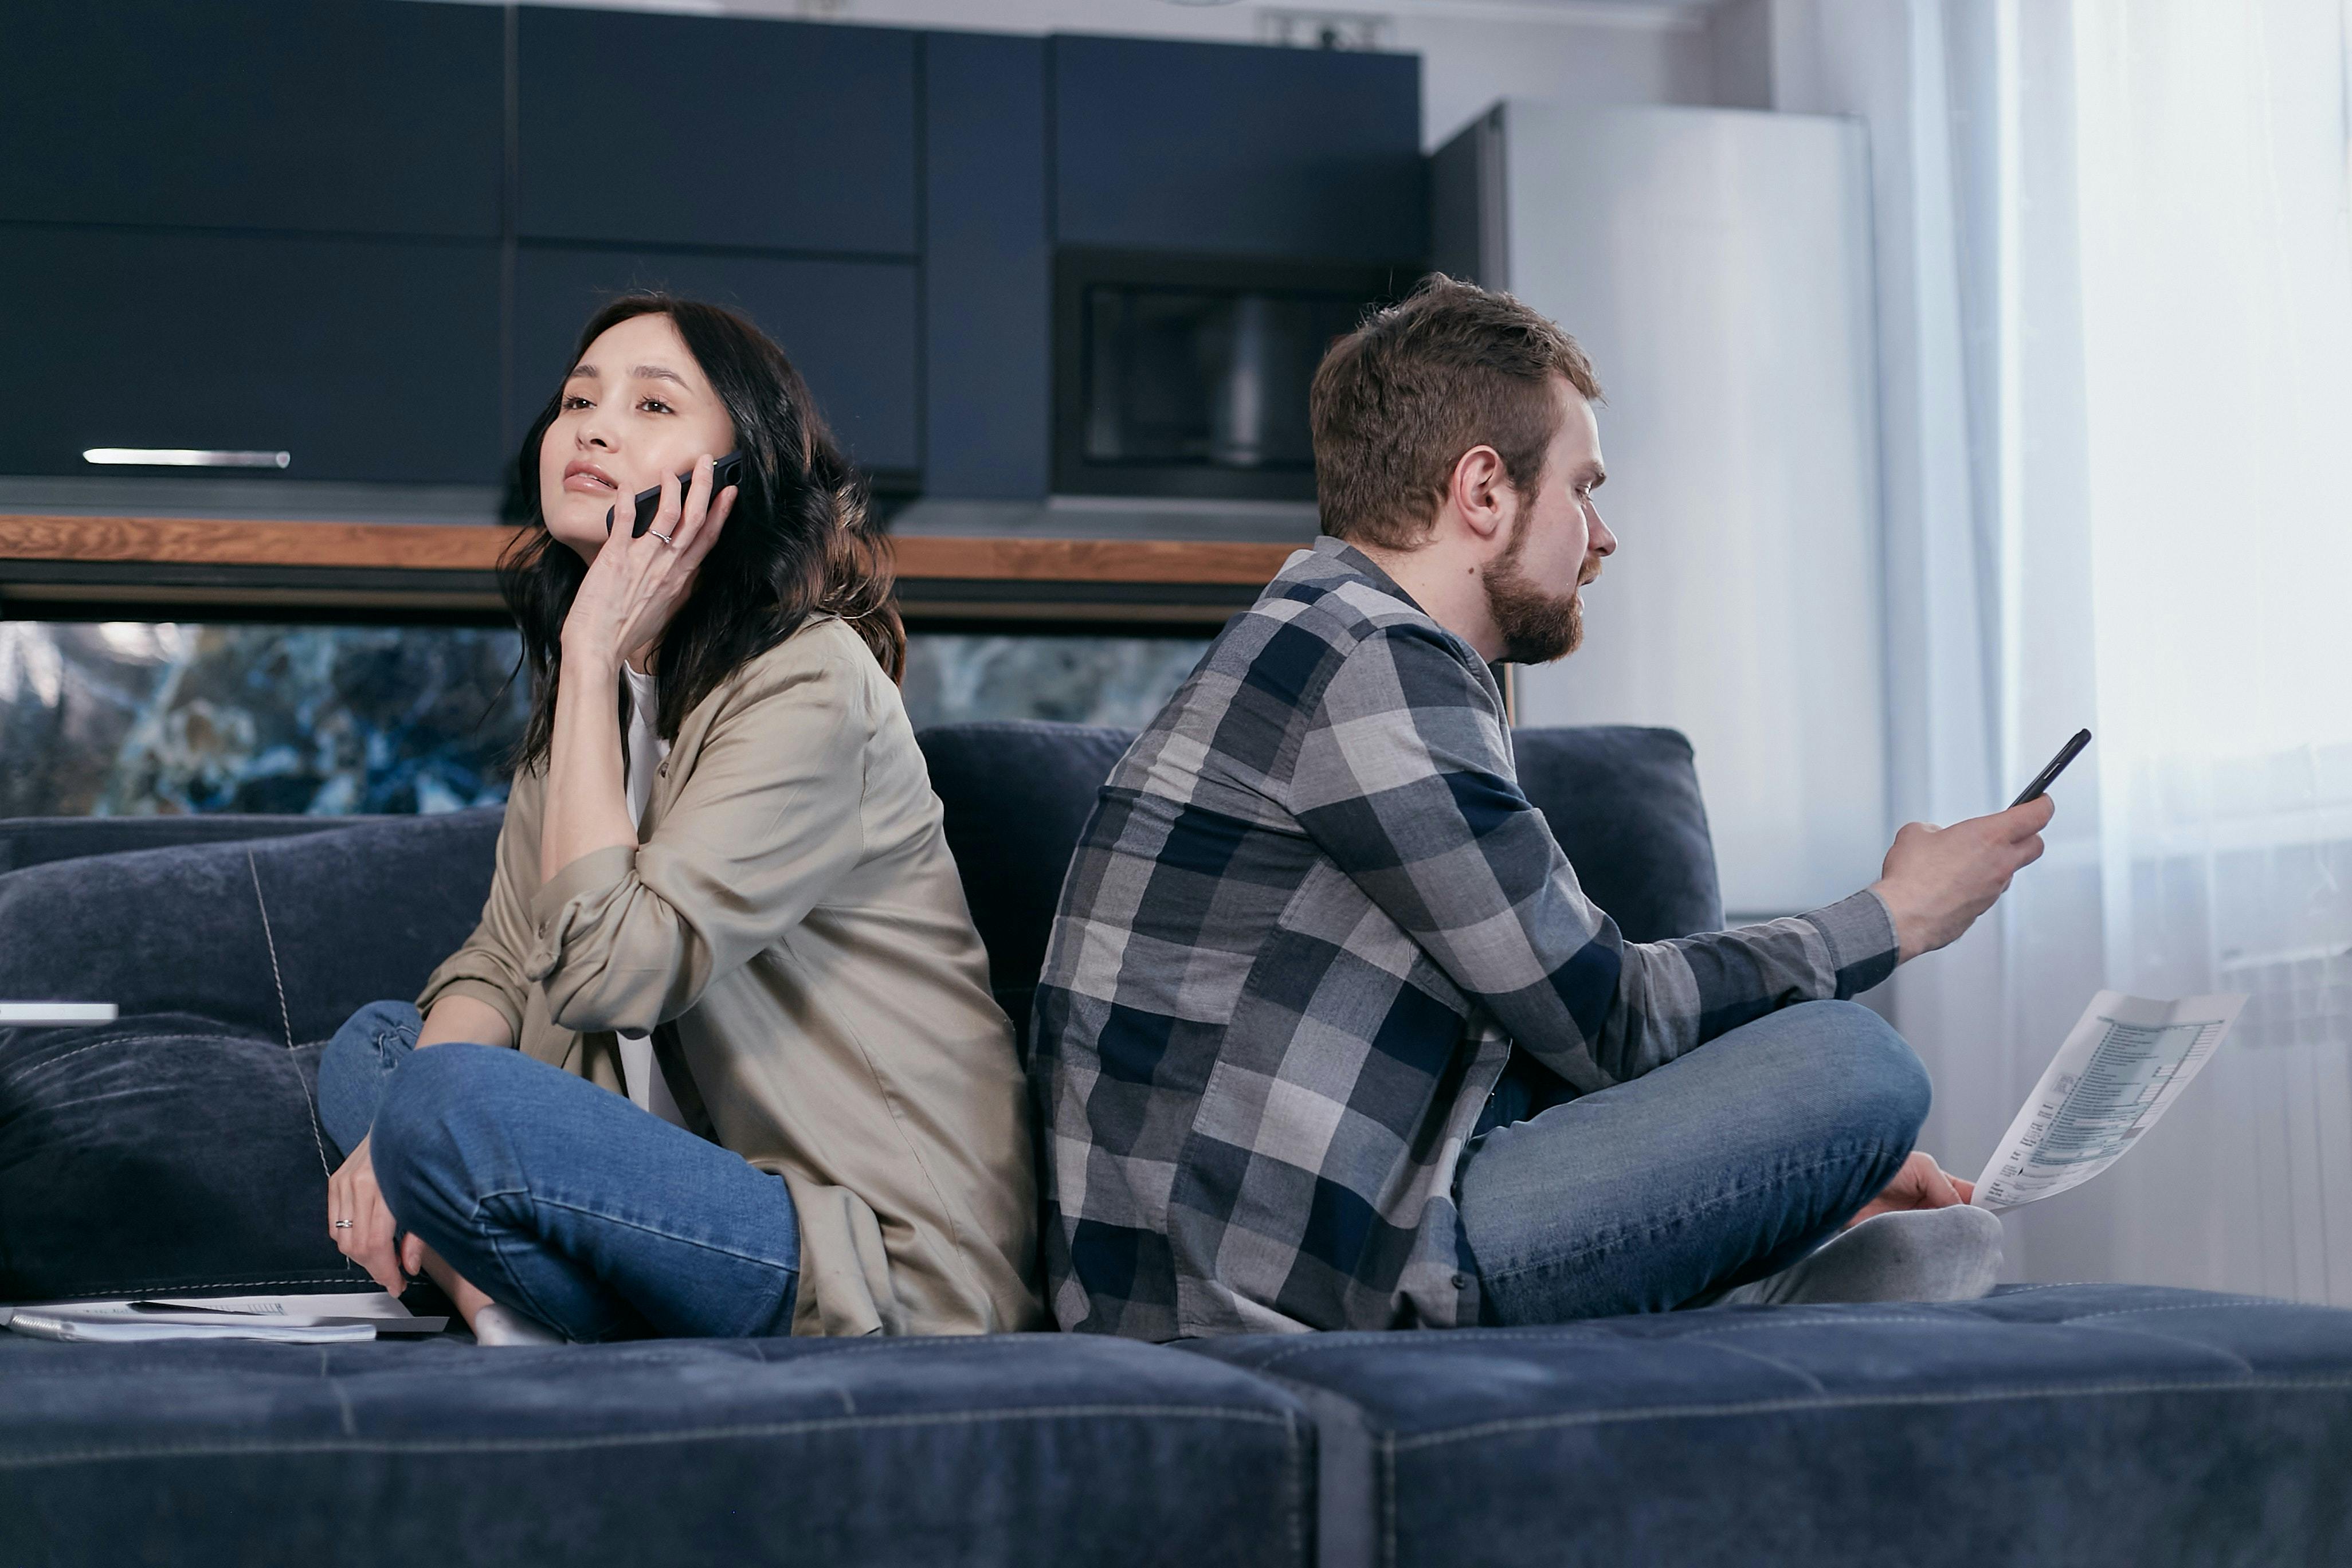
x: 727, y: 470
x: 2049, y: 775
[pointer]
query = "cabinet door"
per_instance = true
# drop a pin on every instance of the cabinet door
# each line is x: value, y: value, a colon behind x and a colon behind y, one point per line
x: 675, y: 131
x: 987, y: 268
x: 364, y: 116
x: 1313, y: 153
x: 374, y: 360
x: 848, y: 326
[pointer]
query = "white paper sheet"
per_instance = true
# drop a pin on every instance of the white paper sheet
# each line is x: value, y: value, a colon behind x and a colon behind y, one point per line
x: 316, y: 1318
x: 324, y: 1304
x: 2123, y: 1065
x: 96, y: 1330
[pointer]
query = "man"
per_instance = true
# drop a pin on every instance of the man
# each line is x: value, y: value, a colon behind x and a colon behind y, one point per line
x: 1328, y: 1035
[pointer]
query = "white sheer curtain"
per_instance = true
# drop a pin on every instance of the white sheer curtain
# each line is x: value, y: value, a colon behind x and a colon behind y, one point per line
x: 2114, y: 273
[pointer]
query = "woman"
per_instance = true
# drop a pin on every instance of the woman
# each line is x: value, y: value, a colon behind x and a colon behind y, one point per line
x: 722, y: 892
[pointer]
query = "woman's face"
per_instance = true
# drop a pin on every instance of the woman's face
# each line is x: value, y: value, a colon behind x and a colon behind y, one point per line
x: 635, y: 407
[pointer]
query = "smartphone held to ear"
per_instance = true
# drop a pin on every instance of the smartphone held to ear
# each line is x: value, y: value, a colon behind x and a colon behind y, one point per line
x: 727, y: 470
x: 2049, y: 775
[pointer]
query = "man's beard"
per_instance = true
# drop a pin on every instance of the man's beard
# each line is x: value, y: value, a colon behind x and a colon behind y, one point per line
x: 1537, y: 627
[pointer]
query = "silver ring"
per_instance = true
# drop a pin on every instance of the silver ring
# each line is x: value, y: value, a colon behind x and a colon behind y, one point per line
x: 657, y: 534
x: 343, y: 1224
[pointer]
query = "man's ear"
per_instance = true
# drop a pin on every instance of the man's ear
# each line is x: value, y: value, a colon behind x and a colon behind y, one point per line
x: 1480, y: 489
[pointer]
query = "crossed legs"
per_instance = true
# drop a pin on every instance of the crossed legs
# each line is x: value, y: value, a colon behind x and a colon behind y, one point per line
x: 1725, y: 1166
x: 558, y: 1198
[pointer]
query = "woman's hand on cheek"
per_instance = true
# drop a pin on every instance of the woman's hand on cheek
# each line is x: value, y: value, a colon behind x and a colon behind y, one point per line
x: 635, y: 585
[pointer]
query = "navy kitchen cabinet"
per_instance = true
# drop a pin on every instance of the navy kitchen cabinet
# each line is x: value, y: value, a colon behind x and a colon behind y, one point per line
x: 685, y: 130
x: 849, y: 327
x: 1237, y: 149
x: 987, y: 268
x: 357, y: 118
x: 363, y: 359
x: 367, y: 232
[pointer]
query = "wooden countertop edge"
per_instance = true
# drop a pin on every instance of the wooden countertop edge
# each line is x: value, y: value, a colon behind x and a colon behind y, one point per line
x: 469, y: 547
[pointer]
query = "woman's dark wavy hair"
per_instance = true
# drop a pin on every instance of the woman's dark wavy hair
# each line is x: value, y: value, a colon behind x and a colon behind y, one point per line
x: 799, y: 542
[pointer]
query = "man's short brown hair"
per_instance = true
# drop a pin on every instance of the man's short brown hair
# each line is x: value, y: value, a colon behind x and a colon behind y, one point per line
x: 1398, y: 401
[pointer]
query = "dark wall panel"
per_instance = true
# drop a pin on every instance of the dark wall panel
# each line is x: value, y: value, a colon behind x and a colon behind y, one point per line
x: 987, y: 268
x: 848, y: 326
x: 373, y: 360
x: 673, y: 130
x: 367, y: 117
x: 1238, y: 149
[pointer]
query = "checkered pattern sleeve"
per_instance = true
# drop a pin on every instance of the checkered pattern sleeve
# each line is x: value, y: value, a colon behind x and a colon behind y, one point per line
x: 1404, y: 779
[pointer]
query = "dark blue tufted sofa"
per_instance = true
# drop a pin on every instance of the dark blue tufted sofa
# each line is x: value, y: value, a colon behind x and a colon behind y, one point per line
x: 2060, y: 1424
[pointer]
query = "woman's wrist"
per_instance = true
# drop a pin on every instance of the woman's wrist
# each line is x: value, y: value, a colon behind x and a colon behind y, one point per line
x: 589, y: 660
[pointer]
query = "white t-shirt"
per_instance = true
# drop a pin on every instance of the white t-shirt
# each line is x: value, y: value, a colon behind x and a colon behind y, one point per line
x: 647, y: 1088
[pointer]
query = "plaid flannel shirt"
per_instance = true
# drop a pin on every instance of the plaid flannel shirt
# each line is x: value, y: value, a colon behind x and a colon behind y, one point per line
x: 1310, y: 919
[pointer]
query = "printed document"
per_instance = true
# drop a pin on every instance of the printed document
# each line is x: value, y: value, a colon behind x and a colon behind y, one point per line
x: 2125, y: 1062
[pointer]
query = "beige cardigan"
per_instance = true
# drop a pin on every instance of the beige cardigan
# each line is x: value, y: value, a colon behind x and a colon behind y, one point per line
x: 790, y: 930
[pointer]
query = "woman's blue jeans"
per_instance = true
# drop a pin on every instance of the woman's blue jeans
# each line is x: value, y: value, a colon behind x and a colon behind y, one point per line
x: 558, y: 1198
x: 1725, y: 1165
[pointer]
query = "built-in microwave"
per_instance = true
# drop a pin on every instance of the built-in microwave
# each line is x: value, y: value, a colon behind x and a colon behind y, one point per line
x: 1187, y: 375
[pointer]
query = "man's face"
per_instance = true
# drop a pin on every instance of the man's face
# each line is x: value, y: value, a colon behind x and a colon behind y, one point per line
x: 1558, y: 541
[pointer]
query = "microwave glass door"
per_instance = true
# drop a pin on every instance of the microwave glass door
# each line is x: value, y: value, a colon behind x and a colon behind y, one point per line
x: 1187, y: 377
x: 1202, y: 378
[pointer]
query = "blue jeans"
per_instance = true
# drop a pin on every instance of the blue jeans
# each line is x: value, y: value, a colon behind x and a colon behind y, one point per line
x: 556, y: 1197
x: 1725, y: 1165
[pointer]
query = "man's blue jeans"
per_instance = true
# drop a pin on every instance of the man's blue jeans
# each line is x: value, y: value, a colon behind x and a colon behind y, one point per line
x: 1725, y: 1165
x: 556, y: 1197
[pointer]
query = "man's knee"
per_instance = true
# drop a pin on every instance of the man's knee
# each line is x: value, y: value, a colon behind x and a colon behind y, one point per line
x: 1877, y: 1078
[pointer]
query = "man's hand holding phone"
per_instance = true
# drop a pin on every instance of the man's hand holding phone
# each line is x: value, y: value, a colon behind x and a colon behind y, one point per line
x: 1937, y: 880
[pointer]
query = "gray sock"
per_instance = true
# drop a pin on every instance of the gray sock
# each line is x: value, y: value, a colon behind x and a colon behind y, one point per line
x: 1950, y: 1254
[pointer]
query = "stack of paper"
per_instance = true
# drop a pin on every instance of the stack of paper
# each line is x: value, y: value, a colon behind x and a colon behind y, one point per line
x: 329, y: 1319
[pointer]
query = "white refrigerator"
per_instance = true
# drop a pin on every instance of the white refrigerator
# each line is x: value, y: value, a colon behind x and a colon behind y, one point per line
x: 1716, y: 264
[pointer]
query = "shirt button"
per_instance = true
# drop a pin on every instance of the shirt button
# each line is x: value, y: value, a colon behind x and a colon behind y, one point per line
x: 1462, y: 1281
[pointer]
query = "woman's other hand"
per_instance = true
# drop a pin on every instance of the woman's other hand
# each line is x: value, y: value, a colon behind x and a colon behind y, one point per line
x: 368, y: 1239
x: 635, y: 585
x: 1921, y: 1184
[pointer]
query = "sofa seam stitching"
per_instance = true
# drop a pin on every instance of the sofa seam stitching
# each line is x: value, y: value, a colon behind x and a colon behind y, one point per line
x: 27, y: 1072
x: 286, y: 1019
x: 211, y: 1285
x: 2180, y: 1307
x: 1387, y: 1499
x: 1791, y: 1405
x: 1555, y: 1334
x: 629, y: 1439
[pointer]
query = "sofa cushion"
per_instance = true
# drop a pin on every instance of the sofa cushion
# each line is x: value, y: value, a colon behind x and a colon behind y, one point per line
x: 1017, y: 1449
x: 174, y: 1148
x: 2078, y: 1423
x: 37, y: 840
x: 1015, y: 796
x: 1622, y: 801
x: 354, y: 915
x: 160, y: 1155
